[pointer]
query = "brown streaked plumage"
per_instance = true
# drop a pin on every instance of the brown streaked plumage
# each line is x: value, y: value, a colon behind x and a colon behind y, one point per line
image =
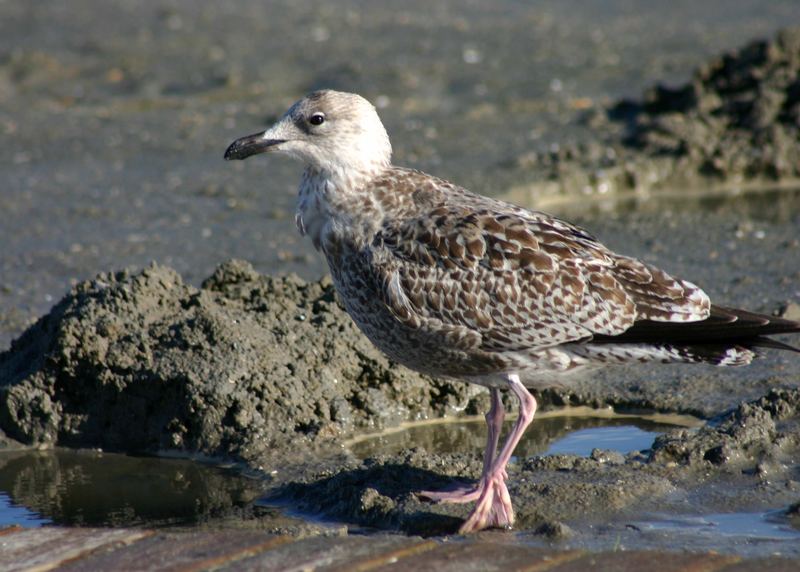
x: 463, y: 286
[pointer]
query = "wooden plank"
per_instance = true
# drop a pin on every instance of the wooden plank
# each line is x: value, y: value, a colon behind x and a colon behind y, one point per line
x: 772, y: 564
x: 184, y: 552
x: 40, y: 549
x: 379, y: 559
x: 636, y: 561
x: 467, y: 556
x: 95, y: 550
x: 322, y: 553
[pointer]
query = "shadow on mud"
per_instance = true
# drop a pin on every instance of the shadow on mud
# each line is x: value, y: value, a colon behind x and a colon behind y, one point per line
x: 371, y: 496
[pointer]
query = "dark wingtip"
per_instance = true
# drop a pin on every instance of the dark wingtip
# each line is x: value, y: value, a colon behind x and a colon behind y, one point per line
x: 763, y: 342
x: 723, y: 326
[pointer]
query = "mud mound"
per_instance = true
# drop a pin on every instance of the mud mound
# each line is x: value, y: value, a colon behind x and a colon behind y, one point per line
x: 245, y: 367
x: 762, y: 430
x: 738, y: 117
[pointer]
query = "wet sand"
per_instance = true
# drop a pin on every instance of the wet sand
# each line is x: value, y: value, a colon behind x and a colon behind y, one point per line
x: 118, y: 131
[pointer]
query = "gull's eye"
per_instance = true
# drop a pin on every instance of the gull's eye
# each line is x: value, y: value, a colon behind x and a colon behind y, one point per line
x: 317, y: 119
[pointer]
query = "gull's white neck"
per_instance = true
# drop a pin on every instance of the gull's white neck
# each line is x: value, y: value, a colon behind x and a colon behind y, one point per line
x: 335, y: 205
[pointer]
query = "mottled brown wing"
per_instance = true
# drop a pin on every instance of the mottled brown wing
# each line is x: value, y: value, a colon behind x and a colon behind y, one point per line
x: 514, y: 280
x: 658, y: 296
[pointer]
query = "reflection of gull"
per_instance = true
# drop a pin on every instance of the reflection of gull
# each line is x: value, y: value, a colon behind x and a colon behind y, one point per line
x: 459, y: 285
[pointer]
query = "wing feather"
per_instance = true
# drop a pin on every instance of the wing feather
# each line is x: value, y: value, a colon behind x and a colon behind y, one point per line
x: 504, y: 279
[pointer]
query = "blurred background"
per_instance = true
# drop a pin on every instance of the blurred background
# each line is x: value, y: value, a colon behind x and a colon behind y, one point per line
x: 114, y: 115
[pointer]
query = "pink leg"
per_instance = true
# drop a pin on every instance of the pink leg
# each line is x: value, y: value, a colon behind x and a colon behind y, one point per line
x: 462, y: 494
x: 493, y: 508
x: 494, y: 423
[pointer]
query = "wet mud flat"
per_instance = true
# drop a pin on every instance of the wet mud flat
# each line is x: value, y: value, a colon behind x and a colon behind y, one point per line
x: 144, y: 362
x: 739, y: 465
x: 268, y: 373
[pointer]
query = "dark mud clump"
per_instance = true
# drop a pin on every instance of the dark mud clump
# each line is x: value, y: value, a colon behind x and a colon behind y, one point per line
x: 735, y: 122
x: 738, y: 117
x: 760, y: 430
x: 246, y: 367
x: 743, y: 460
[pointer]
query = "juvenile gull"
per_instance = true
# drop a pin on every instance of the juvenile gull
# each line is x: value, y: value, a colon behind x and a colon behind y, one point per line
x: 463, y: 286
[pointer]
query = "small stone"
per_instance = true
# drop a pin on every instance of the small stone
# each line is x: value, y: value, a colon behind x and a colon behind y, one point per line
x: 555, y: 530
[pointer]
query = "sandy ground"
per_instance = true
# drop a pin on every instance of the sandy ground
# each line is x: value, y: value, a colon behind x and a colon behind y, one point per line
x: 117, y: 119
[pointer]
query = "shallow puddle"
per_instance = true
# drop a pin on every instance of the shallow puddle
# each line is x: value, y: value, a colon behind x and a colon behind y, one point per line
x: 754, y: 526
x: 575, y: 431
x: 12, y: 514
x: 88, y: 488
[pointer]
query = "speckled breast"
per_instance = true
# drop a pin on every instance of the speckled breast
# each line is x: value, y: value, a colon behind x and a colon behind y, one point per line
x: 420, y: 349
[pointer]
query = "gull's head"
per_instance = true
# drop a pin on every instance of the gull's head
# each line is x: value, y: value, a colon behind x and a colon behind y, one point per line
x: 332, y: 132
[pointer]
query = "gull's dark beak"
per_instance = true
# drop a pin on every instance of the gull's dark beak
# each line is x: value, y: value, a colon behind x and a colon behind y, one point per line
x: 253, y: 144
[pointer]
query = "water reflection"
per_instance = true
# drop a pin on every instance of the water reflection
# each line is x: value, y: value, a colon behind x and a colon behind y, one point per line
x: 751, y: 525
x: 557, y: 434
x: 13, y: 514
x: 85, y: 488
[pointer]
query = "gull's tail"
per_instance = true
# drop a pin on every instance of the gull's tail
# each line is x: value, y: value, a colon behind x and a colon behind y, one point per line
x: 726, y: 337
